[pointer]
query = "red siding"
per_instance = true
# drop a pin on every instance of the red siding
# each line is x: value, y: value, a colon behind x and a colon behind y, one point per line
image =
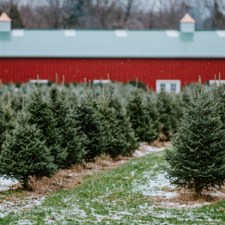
x: 146, y: 70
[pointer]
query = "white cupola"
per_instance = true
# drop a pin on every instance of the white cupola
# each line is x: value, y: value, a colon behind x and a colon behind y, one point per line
x: 187, y: 24
x: 5, y: 23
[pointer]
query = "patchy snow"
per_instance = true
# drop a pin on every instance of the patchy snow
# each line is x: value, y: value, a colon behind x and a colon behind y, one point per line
x: 145, y: 149
x: 19, y: 205
x: 166, y: 195
x: 138, y: 154
x: 155, y: 186
x: 6, y: 183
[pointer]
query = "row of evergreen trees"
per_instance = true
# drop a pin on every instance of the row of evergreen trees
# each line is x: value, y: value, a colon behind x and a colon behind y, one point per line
x: 44, y: 130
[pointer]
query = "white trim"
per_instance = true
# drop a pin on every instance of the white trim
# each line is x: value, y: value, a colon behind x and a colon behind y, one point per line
x: 216, y: 82
x: 168, y: 85
x: 38, y: 81
x: 101, y: 81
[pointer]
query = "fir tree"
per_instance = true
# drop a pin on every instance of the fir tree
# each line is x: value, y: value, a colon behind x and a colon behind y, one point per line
x: 43, y: 118
x: 168, y: 117
x: 118, y: 134
x: 140, y: 119
x: 71, y: 141
x: 6, y: 122
x: 154, y: 115
x: 197, y: 160
x: 89, y: 122
x: 219, y: 96
x: 24, y: 153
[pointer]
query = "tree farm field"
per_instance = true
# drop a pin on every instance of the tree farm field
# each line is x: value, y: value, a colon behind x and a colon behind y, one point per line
x: 136, y: 191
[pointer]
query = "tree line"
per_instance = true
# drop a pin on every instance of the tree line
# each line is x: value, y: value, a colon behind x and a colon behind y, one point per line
x: 105, y: 14
x: 44, y: 129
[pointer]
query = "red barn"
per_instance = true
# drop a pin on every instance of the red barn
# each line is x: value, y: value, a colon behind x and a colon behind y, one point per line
x: 164, y: 60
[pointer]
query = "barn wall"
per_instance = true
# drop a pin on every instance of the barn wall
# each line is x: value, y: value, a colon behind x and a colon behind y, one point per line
x: 146, y: 70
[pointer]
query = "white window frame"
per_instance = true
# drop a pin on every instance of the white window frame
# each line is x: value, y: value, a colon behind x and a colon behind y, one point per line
x: 168, y: 86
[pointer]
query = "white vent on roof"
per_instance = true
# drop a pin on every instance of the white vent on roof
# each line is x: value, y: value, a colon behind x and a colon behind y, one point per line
x: 121, y: 33
x: 70, y: 33
x: 221, y: 33
x: 18, y: 33
x: 172, y: 33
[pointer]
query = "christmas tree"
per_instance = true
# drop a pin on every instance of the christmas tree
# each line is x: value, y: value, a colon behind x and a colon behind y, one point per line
x: 70, y: 141
x: 24, y: 153
x: 43, y: 118
x: 118, y: 134
x: 168, y: 117
x: 6, y: 122
x: 140, y: 118
x: 88, y: 121
x: 197, y: 160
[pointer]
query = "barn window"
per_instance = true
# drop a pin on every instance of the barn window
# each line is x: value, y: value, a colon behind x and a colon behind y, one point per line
x: 162, y: 87
x: 171, y: 86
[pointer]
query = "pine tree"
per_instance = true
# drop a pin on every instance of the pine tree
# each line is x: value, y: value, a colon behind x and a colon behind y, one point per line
x: 24, y: 153
x: 197, y: 160
x: 118, y: 134
x: 140, y: 119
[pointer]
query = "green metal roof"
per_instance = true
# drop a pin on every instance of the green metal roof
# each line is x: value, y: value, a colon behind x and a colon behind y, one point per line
x: 112, y: 44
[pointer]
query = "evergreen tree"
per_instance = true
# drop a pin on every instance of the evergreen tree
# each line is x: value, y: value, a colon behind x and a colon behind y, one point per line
x: 168, y: 117
x: 88, y: 120
x: 118, y: 134
x: 75, y: 11
x: 15, y: 15
x: 219, y: 96
x: 153, y: 114
x: 140, y: 119
x: 24, y: 153
x: 70, y: 141
x: 197, y: 160
x: 6, y: 122
x: 43, y: 118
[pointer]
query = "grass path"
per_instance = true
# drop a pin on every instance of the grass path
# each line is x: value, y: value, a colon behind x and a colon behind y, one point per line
x: 116, y: 197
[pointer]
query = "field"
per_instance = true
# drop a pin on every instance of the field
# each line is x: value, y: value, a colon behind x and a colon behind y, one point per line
x: 135, y: 192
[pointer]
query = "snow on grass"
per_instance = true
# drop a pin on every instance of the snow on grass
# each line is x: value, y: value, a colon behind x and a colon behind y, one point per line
x: 6, y: 183
x: 18, y: 205
x: 155, y: 186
